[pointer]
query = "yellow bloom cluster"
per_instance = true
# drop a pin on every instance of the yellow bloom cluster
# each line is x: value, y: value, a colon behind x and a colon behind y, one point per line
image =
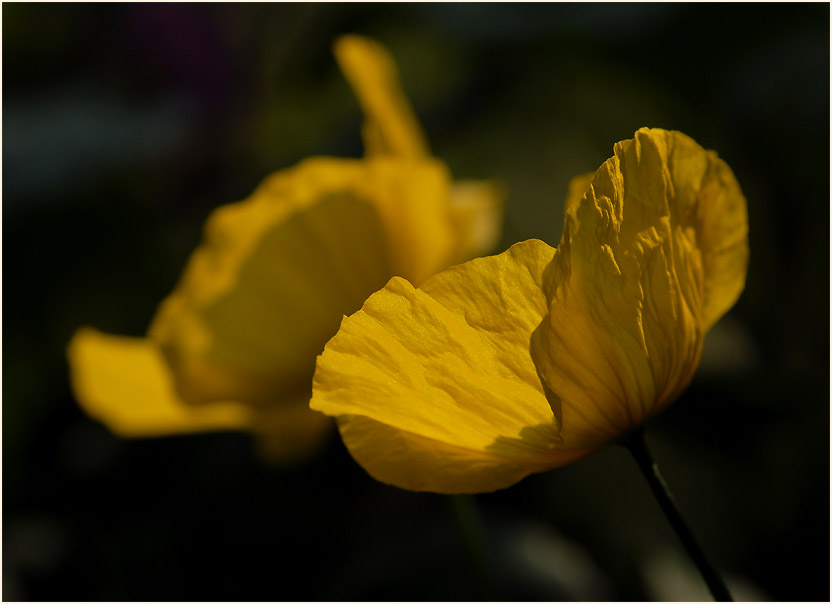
x: 234, y: 345
x: 533, y: 358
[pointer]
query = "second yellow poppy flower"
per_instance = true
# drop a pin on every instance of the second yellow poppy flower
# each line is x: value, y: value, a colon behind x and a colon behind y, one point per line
x: 234, y: 346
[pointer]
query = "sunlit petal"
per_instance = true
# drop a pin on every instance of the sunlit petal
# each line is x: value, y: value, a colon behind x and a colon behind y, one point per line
x: 627, y: 288
x: 447, y: 363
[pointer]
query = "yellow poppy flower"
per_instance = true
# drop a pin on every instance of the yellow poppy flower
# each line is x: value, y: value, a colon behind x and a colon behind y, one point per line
x: 234, y: 345
x: 531, y: 359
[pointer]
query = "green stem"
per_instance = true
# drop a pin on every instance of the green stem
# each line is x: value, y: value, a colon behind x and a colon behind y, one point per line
x: 638, y: 447
x: 473, y: 537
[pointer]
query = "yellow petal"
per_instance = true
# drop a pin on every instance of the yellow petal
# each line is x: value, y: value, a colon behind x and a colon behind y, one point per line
x: 391, y: 128
x: 477, y: 212
x: 413, y: 201
x: 627, y: 288
x: 442, y: 380
x: 275, y: 273
x: 124, y: 383
x: 417, y: 463
x: 716, y: 211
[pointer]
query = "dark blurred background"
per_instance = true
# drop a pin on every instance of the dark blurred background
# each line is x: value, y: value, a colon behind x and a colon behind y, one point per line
x: 125, y: 124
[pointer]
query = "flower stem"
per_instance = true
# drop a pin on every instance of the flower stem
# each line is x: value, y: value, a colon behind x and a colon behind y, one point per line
x: 638, y: 447
x: 473, y: 536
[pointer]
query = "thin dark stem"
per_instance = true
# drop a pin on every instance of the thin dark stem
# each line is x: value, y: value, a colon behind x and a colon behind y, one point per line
x: 473, y: 536
x: 638, y: 447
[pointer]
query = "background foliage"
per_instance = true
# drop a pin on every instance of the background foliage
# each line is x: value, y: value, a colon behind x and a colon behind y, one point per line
x: 125, y: 124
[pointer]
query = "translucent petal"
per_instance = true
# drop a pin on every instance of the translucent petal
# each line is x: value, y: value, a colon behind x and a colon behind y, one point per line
x: 446, y: 368
x: 391, y: 128
x: 627, y: 288
x: 275, y: 273
x: 124, y: 383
